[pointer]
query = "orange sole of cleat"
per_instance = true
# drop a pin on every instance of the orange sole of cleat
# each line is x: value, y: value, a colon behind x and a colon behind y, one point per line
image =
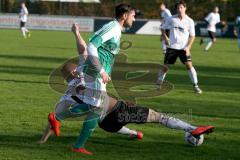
x: 209, y: 129
x: 81, y: 150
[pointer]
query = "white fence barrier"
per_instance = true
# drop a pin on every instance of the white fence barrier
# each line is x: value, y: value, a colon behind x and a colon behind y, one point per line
x: 62, y: 23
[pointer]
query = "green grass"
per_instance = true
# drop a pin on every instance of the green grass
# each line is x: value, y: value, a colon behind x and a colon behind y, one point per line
x: 26, y: 99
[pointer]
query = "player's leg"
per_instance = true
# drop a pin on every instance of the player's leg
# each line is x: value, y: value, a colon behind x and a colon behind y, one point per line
x: 175, y: 123
x: 169, y: 58
x: 125, y: 114
x: 161, y: 75
x: 193, y: 77
x: 88, y: 128
x: 22, y: 28
x: 239, y: 42
x: 28, y: 32
x: 132, y: 133
x: 186, y: 59
x: 211, y: 40
x: 60, y: 107
x: 109, y: 121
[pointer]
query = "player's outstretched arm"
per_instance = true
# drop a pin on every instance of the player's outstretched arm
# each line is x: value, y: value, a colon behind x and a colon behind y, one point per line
x: 81, y: 44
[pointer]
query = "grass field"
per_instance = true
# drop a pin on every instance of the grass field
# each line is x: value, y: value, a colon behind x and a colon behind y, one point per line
x: 26, y: 100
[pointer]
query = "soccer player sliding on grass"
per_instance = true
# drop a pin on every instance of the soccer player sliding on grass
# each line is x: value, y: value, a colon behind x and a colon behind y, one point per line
x: 101, y: 51
x: 93, y: 101
x: 116, y: 114
x: 74, y: 76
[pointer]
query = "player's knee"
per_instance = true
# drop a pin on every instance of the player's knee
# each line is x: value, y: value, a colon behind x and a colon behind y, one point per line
x: 214, y: 40
x: 188, y: 65
x: 153, y: 116
x: 90, y: 124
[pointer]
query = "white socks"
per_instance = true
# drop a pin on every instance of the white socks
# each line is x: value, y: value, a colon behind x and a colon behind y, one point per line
x: 161, y: 76
x: 209, y: 44
x: 127, y: 131
x: 175, y: 123
x: 24, y: 31
x: 193, y: 76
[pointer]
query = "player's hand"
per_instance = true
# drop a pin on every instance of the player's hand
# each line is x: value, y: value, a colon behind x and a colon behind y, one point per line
x: 105, y: 77
x: 187, y: 50
x: 75, y: 28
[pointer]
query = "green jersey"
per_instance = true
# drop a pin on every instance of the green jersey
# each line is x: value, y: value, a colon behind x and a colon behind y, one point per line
x: 103, y: 46
x: 107, y: 42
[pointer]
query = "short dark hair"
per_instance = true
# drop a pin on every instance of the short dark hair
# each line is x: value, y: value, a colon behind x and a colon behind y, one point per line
x: 162, y: 3
x: 121, y: 9
x: 181, y: 2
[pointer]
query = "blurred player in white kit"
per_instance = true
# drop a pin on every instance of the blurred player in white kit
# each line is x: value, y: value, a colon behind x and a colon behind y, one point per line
x: 23, y: 20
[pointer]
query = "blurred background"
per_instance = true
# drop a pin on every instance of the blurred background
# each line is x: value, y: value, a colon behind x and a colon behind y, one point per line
x: 149, y: 9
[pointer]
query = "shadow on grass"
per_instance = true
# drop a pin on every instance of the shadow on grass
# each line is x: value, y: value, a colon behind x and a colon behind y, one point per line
x: 23, y: 81
x: 159, y: 146
x: 34, y: 58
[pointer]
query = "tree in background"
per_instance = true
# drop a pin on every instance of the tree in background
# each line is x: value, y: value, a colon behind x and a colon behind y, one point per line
x: 197, y: 9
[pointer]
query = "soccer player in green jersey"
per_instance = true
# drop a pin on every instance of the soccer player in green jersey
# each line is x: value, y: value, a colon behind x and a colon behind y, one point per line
x: 102, y: 48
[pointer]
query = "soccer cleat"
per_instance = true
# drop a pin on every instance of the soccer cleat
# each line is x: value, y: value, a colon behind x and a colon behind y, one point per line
x: 202, y: 130
x: 139, y: 135
x: 29, y: 34
x: 201, y: 41
x: 197, y: 89
x: 81, y: 150
x: 54, y: 123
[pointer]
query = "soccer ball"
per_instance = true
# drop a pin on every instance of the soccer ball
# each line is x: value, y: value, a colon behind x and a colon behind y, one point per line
x: 193, y: 141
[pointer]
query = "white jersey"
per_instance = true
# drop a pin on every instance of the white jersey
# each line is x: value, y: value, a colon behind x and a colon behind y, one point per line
x: 165, y: 14
x: 23, y: 14
x: 180, y: 30
x: 71, y: 90
x: 212, y: 19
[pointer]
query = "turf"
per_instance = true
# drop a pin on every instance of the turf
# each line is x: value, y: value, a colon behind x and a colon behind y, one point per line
x: 26, y: 99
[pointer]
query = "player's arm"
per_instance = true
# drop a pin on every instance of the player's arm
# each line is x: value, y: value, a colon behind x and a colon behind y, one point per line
x: 94, y: 58
x: 25, y: 11
x: 165, y: 37
x: 92, y: 50
x: 81, y: 44
x: 207, y: 18
x: 191, y: 38
x: 189, y: 44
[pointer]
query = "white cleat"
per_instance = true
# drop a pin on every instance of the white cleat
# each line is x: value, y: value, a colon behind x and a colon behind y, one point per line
x: 197, y: 89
